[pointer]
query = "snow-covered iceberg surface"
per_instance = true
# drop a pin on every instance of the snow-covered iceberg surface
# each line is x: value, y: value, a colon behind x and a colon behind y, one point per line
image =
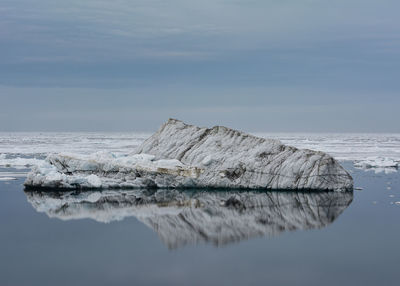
x: 179, y: 155
x: 182, y: 217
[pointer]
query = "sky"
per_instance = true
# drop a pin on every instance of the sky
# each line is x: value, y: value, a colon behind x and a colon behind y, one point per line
x: 270, y: 65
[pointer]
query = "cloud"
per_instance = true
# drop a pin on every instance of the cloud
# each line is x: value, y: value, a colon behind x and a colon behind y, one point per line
x: 97, y: 30
x: 210, y: 57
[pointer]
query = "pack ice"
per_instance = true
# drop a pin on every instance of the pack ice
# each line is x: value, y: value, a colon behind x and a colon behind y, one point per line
x: 179, y: 155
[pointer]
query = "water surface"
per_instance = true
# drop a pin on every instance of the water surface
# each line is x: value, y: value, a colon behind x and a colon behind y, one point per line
x: 213, y: 238
x: 200, y: 238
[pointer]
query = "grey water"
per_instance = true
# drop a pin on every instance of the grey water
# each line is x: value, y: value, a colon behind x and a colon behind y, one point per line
x: 306, y: 239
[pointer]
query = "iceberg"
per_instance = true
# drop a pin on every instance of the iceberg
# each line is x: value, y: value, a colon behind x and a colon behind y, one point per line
x: 180, y: 155
x: 190, y: 217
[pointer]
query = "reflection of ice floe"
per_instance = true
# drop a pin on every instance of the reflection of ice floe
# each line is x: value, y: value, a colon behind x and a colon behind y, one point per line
x: 182, y: 218
x: 378, y: 164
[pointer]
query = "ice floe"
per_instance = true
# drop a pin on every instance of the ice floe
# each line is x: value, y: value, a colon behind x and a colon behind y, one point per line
x: 19, y: 162
x: 11, y: 176
x: 378, y: 164
x: 7, y: 178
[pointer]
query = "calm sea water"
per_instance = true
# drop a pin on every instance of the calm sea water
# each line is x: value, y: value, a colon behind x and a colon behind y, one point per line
x: 104, y: 239
x: 200, y: 238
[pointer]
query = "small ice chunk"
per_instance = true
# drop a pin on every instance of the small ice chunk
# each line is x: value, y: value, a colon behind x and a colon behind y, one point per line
x: 397, y: 203
x: 94, y: 181
x: 207, y: 160
x: 7, y: 178
x: 19, y: 162
x: 378, y: 164
x: 359, y: 188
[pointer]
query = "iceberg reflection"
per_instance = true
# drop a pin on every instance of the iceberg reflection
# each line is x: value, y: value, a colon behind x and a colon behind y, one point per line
x: 190, y: 217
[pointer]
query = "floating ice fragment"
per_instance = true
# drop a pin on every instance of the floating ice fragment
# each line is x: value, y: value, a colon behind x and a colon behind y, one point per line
x: 19, y: 162
x: 359, y: 188
x: 397, y: 203
x: 7, y: 178
x: 94, y: 181
x: 378, y: 164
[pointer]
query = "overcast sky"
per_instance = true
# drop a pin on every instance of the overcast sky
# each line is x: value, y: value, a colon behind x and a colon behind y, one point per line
x: 255, y: 65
